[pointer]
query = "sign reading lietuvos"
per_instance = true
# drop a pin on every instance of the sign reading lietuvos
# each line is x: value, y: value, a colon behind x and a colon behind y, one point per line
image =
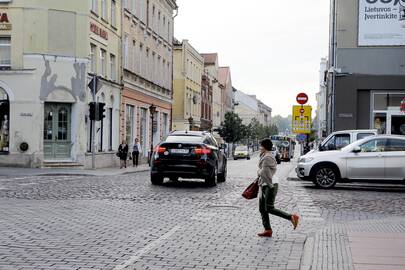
x: 381, y: 23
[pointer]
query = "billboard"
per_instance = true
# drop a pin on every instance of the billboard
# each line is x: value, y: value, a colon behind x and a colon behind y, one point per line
x: 302, y: 119
x: 381, y: 23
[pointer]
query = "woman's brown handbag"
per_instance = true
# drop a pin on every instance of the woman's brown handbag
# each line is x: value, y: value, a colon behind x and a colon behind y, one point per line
x: 251, y: 191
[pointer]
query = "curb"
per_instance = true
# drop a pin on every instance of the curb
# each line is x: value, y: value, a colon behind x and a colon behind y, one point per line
x: 90, y: 174
x: 306, y: 258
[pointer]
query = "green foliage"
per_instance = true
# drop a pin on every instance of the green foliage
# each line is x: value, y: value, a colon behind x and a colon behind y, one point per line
x: 232, y: 129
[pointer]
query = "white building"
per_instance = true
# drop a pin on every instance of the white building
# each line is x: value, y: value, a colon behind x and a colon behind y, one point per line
x: 246, y: 107
x: 321, y: 98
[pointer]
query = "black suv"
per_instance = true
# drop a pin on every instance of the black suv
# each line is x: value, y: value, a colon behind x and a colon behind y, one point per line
x: 189, y: 154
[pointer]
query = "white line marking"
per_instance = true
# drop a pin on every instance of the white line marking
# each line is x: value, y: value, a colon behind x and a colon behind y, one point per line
x: 146, y: 249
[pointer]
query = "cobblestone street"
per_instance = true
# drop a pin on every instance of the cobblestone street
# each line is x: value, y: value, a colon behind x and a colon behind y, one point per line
x: 123, y: 222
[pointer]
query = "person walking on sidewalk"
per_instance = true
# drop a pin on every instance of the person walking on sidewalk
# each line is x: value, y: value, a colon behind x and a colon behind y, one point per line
x: 135, y: 152
x: 123, y: 154
x: 268, y: 187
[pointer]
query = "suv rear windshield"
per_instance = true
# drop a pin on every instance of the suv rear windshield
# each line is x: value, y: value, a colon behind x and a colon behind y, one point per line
x: 184, y: 139
x: 364, y: 135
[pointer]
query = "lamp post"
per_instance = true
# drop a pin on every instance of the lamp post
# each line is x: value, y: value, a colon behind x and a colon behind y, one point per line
x: 152, y: 110
x: 191, y: 122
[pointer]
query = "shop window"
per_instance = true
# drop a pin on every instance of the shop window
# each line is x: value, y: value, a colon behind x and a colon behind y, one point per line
x: 398, y: 125
x: 129, y: 123
x: 5, y: 52
x: 4, y: 121
x: 380, y: 102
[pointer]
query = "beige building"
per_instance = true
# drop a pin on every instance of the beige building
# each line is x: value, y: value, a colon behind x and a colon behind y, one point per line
x: 227, y: 98
x: 105, y: 61
x: 188, y: 70
x: 211, y: 66
x: 147, y: 57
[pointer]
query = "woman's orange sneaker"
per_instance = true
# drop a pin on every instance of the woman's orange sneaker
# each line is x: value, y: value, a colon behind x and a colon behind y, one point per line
x: 266, y: 233
x: 295, y: 219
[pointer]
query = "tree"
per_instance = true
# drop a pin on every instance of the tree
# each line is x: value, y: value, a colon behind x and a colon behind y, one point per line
x: 232, y: 129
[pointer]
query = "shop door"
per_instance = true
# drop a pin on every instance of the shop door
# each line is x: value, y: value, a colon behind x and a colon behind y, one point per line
x: 396, y: 123
x: 57, y: 130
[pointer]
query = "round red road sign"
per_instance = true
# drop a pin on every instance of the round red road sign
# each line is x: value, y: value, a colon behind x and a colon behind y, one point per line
x: 302, y: 98
x: 403, y: 105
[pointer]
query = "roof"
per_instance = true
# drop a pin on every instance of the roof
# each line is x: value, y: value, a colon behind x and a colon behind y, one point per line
x: 210, y: 58
x: 246, y: 100
x: 223, y: 74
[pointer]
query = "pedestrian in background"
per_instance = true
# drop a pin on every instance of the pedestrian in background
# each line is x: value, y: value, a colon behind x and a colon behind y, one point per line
x: 123, y: 154
x: 136, y: 150
x: 268, y: 187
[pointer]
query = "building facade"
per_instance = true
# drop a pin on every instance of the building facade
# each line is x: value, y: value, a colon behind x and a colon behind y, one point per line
x: 246, y: 107
x: 212, y: 69
x: 206, y: 101
x: 105, y: 61
x: 321, y: 99
x: 44, y: 60
x: 147, y: 57
x: 225, y: 79
x: 187, y: 79
x: 366, y: 82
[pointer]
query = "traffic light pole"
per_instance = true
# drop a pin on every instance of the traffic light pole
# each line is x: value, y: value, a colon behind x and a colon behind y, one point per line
x: 93, y: 127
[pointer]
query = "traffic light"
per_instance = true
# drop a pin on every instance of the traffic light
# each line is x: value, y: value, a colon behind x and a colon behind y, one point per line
x: 100, y: 111
x: 92, y: 106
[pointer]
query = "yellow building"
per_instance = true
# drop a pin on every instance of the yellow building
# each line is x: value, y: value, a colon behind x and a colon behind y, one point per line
x: 188, y: 70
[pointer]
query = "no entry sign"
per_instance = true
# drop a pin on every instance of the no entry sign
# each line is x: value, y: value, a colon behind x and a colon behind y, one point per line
x: 302, y: 98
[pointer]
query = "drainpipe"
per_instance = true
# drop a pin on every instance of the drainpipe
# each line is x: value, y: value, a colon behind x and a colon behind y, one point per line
x: 334, y: 68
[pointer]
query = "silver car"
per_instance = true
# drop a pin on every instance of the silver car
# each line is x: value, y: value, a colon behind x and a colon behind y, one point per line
x: 380, y: 157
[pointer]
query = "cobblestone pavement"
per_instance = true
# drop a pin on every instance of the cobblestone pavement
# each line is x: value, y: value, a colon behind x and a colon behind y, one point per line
x: 123, y: 222
x: 351, y: 207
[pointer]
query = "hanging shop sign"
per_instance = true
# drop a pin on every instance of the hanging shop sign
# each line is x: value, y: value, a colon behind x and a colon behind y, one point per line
x: 381, y: 23
x: 94, y: 28
x: 4, y: 22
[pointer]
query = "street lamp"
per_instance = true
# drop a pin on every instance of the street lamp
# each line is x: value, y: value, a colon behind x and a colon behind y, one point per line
x: 191, y: 122
x: 152, y: 110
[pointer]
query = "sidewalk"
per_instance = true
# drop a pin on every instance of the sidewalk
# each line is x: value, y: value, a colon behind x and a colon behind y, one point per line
x: 11, y: 172
x: 358, y: 245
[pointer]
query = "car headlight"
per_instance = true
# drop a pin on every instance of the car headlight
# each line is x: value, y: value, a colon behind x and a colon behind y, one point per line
x: 305, y: 160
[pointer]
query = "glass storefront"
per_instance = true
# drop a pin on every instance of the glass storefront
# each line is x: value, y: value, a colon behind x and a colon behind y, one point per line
x: 4, y: 121
x: 386, y: 116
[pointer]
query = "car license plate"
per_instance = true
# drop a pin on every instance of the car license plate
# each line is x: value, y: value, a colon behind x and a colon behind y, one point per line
x: 179, y: 151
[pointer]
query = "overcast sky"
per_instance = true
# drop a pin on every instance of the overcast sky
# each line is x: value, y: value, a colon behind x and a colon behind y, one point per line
x: 273, y: 47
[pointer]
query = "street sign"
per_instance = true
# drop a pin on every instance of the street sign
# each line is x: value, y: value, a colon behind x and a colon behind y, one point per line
x: 97, y: 82
x: 403, y: 105
x: 301, y: 137
x: 302, y: 98
x: 302, y: 119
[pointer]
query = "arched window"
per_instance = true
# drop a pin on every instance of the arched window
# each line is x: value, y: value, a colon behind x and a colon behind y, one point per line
x: 4, y: 121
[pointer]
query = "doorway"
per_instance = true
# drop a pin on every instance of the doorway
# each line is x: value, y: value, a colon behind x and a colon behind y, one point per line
x: 57, y: 131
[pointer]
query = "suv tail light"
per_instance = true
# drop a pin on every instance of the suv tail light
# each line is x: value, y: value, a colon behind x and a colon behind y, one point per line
x: 203, y: 151
x: 160, y: 150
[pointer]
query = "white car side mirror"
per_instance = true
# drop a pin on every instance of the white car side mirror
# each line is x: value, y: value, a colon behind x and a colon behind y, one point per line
x: 356, y: 149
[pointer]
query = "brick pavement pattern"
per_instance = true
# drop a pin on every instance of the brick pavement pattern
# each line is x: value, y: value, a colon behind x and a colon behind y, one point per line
x: 123, y: 222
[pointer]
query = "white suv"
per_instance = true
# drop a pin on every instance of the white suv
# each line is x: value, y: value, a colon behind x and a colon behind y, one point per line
x: 380, y: 157
x: 339, y: 139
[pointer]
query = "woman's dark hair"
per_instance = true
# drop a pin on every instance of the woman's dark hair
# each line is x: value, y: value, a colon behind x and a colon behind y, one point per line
x: 267, y: 144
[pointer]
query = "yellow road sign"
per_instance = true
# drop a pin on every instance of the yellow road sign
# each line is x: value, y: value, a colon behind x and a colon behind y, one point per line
x: 302, y: 119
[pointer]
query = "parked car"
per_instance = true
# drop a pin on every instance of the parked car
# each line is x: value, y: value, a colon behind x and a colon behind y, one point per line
x: 189, y: 154
x: 276, y: 154
x: 380, y: 157
x: 241, y: 151
x: 339, y: 139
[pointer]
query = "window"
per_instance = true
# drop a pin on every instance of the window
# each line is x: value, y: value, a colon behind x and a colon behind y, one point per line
x: 113, y: 68
x: 377, y: 145
x: 125, y: 4
x: 113, y: 13
x: 104, y: 9
x: 93, y: 60
x: 94, y: 6
x: 110, y: 130
x: 184, y: 139
x: 103, y: 62
x: 134, y: 56
x: 143, y: 128
x: 5, y: 52
x: 147, y: 64
x: 394, y: 145
x: 165, y: 124
x: 338, y: 141
x: 129, y: 121
x: 141, y: 60
x: 125, y: 45
x: 364, y: 135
